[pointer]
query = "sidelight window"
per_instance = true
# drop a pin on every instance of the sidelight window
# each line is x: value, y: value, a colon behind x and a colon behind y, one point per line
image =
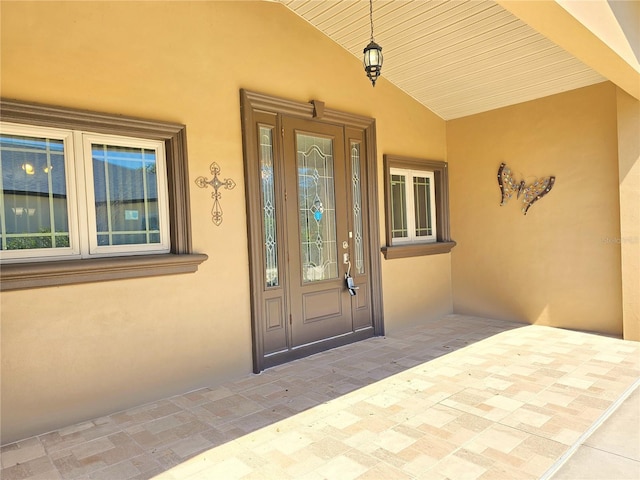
x: 269, y: 232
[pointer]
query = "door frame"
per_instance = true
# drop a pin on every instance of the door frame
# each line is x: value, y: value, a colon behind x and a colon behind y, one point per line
x: 253, y: 105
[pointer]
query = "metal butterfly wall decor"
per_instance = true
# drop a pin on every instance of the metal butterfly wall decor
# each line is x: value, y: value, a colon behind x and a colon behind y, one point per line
x: 530, y: 193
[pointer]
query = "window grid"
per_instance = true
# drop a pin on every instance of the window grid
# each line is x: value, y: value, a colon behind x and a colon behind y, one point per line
x: 412, y: 206
x: 145, y: 192
x: 399, y: 228
x: 422, y: 202
x: 108, y: 196
x: 52, y: 214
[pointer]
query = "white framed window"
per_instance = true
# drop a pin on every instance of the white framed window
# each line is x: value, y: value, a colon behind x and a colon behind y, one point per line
x: 413, y: 206
x: 73, y: 194
x: 416, y: 197
x: 126, y: 191
x: 36, y: 179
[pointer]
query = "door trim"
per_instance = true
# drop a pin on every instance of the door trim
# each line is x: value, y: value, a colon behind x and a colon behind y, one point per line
x: 253, y: 104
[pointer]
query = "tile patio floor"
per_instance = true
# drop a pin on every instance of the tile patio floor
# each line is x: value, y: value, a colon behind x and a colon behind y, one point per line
x: 459, y: 398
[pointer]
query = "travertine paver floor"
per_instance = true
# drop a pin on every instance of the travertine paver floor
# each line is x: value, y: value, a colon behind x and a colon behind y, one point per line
x: 612, y: 450
x: 459, y: 398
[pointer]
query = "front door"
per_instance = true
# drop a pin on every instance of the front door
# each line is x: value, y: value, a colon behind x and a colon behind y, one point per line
x: 308, y: 187
x: 317, y: 209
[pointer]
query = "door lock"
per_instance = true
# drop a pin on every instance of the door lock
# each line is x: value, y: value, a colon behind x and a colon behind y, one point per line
x: 351, y: 287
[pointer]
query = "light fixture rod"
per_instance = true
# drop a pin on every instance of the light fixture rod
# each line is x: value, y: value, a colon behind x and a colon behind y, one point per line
x: 371, y: 17
x: 372, y: 53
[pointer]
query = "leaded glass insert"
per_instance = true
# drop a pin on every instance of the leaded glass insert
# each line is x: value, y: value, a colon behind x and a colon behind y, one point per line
x: 357, y: 208
x: 34, y: 193
x: 268, y: 208
x: 126, y: 195
x: 316, y: 203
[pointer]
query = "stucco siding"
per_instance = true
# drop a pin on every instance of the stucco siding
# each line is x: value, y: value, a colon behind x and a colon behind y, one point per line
x: 75, y: 352
x: 560, y: 264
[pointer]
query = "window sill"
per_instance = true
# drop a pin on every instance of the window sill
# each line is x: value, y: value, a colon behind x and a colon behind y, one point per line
x: 20, y: 276
x: 417, y: 250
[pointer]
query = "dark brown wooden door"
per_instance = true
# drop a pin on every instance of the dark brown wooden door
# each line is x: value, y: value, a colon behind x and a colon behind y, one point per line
x: 310, y: 181
x: 317, y: 217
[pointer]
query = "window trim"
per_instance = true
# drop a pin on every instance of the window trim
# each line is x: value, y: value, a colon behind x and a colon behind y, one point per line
x: 443, y: 243
x: 180, y: 259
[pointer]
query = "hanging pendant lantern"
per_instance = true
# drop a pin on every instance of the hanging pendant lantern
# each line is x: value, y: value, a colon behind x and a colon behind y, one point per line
x: 373, y: 61
x: 372, y: 54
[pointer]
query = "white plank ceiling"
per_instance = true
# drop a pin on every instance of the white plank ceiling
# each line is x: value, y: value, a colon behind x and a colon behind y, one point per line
x: 456, y: 57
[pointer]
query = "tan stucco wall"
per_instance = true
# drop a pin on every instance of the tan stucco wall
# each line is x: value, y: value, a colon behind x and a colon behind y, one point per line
x: 560, y: 264
x: 629, y: 171
x: 76, y: 352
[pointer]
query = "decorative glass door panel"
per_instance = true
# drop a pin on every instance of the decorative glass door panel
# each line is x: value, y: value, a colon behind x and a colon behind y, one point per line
x: 268, y: 207
x: 317, y: 218
x: 356, y: 195
x: 317, y: 206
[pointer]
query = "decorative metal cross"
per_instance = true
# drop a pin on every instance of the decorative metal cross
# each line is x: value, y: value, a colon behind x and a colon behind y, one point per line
x: 227, y: 183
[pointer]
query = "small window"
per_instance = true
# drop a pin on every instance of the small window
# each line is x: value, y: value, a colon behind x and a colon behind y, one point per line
x: 88, y: 197
x: 413, y: 213
x: 417, y: 207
